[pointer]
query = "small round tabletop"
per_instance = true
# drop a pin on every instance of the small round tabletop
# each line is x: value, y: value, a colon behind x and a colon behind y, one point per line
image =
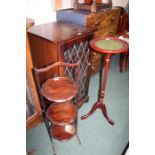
x: 62, y: 113
x: 109, y: 45
x: 59, y: 89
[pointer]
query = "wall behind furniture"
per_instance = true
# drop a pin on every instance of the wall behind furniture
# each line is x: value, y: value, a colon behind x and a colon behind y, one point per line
x: 40, y: 10
x: 122, y: 3
x: 70, y: 3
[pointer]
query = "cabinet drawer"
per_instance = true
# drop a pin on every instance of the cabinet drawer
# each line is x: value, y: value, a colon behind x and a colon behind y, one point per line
x: 103, y: 19
x: 111, y: 30
x: 109, y: 18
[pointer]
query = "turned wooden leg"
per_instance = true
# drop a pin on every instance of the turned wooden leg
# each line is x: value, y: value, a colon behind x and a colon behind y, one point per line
x: 93, y: 109
x: 102, y: 91
x: 99, y: 104
x: 121, y: 61
x: 104, y: 112
x: 78, y: 138
x: 127, y: 62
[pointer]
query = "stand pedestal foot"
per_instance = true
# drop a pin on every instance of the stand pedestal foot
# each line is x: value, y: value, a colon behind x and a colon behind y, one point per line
x: 101, y: 106
x: 127, y: 62
x: 78, y: 138
x: 121, y: 62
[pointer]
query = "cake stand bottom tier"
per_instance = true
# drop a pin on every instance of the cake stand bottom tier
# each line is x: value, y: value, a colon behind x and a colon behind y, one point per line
x: 63, y: 132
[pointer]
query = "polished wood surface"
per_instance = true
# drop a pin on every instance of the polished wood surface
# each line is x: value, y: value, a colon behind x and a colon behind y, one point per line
x: 59, y: 132
x: 57, y: 32
x: 123, y: 24
x: 124, y: 57
x: 49, y: 43
x: 59, y: 89
x: 106, y: 23
x: 37, y: 117
x: 107, y: 58
x: 122, y: 49
x: 62, y: 113
x: 34, y: 120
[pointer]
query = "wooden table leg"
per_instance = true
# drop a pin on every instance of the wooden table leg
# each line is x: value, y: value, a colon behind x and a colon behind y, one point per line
x: 127, y: 62
x: 100, y: 104
x: 121, y: 62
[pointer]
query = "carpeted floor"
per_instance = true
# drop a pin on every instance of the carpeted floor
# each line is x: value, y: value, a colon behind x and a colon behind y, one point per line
x: 97, y: 136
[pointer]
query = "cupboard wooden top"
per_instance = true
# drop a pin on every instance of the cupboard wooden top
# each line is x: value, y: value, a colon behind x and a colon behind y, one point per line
x: 60, y: 31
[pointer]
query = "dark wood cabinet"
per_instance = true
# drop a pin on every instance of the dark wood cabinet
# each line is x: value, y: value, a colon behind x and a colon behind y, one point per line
x: 66, y: 42
x: 104, y: 21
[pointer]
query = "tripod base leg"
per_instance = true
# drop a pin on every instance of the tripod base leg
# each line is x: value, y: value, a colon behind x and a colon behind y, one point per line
x: 101, y: 106
x: 95, y: 106
x: 104, y: 112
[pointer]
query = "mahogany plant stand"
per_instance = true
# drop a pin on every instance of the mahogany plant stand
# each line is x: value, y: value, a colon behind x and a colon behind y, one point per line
x: 107, y: 46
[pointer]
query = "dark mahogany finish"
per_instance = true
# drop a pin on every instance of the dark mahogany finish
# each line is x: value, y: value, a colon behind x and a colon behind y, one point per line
x: 59, y: 132
x: 105, y: 22
x: 51, y: 43
x: 123, y: 27
x: 62, y: 113
x: 63, y: 117
x: 57, y: 89
x: 108, y: 53
x: 124, y: 57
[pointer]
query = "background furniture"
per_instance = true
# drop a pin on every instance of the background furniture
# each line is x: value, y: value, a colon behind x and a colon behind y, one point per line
x: 124, y: 36
x: 105, y: 22
x: 33, y: 109
x: 107, y: 46
x: 123, y: 24
x: 65, y: 42
x: 123, y: 33
x: 92, y: 5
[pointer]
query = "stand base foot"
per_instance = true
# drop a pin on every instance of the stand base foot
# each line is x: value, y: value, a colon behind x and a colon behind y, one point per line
x: 102, y: 107
x: 78, y: 138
